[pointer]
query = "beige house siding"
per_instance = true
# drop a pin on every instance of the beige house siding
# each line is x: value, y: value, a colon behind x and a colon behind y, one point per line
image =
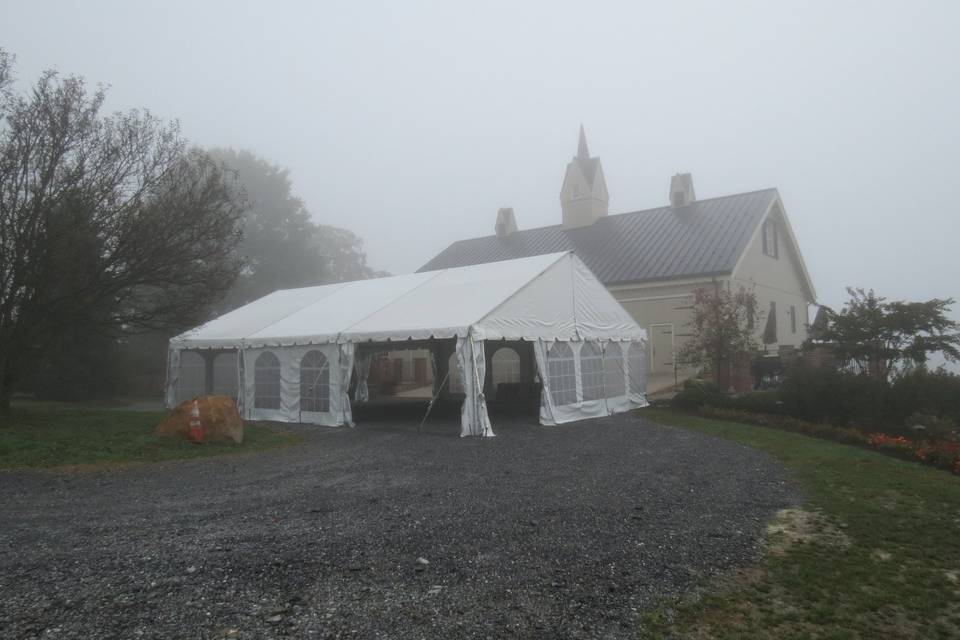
x: 663, y: 309
x: 777, y: 280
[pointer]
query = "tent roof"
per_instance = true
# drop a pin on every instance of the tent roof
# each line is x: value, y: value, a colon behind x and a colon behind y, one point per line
x: 551, y: 296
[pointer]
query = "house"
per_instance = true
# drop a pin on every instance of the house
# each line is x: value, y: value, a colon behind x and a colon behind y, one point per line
x: 653, y: 260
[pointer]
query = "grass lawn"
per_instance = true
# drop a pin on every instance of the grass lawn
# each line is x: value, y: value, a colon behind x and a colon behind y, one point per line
x: 42, y: 434
x: 873, y: 553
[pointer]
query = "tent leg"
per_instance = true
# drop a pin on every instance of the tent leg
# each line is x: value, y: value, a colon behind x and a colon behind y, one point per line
x: 433, y: 400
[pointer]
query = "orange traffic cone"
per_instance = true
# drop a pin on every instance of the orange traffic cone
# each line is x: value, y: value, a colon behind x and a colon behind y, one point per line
x: 196, y: 427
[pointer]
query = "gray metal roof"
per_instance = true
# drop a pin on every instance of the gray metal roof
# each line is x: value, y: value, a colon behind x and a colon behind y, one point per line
x: 706, y: 237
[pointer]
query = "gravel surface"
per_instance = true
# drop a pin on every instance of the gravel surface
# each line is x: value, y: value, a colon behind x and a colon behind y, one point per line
x: 384, y: 532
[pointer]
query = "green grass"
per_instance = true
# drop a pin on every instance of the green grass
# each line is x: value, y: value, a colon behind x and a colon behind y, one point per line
x: 40, y: 434
x: 882, y: 560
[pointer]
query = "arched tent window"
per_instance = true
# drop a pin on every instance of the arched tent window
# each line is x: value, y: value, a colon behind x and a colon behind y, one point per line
x: 562, y: 374
x: 591, y: 371
x: 454, y: 383
x: 506, y: 366
x: 614, y: 383
x: 225, y: 374
x: 635, y: 367
x: 266, y: 381
x: 193, y: 376
x: 314, y: 383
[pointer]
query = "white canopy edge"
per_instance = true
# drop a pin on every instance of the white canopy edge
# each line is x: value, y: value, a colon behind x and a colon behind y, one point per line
x: 554, y: 296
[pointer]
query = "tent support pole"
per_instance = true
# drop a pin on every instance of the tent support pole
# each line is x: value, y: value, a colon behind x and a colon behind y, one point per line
x: 432, y: 401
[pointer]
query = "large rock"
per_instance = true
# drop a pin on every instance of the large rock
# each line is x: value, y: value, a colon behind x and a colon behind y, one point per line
x: 218, y: 415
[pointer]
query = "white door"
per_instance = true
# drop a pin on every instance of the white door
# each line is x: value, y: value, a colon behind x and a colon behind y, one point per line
x: 661, y: 348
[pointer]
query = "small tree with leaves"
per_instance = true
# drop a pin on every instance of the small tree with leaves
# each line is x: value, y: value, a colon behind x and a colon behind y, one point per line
x: 721, y: 326
x: 872, y: 336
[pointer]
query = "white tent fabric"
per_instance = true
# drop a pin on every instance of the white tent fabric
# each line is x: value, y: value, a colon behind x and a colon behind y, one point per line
x: 471, y: 364
x: 362, y: 366
x: 545, y: 299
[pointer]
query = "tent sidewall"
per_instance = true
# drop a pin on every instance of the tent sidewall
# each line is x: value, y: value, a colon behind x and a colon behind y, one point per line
x: 553, y: 414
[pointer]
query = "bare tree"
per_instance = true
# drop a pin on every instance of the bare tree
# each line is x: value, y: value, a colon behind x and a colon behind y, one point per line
x: 109, y: 222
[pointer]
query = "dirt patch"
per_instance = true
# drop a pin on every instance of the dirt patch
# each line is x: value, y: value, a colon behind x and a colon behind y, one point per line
x: 881, y: 555
x: 791, y: 527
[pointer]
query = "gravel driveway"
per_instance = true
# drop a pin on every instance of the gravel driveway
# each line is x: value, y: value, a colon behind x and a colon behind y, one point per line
x: 541, y: 532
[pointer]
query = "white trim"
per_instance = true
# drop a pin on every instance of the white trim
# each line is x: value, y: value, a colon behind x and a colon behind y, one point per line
x: 648, y: 298
x: 770, y: 287
x: 805, y: 275
x: 796, y: 249
x: 673, y: 342
x: 666, y: 282
x: 753, y: 238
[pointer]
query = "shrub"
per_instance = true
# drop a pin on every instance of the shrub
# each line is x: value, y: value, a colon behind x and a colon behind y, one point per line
x: 926, y: 425
x: 696, y: 394
x: 917, y: 405
x: 935, y: 394
x: 850, y: 435
x: 940, y: 454
x: 821, y: 394
x: 758, y: 402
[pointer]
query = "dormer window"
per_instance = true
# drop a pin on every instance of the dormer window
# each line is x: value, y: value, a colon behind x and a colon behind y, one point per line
x: 770, y: 247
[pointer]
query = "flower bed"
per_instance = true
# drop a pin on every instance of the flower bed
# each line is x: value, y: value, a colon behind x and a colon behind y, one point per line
x: 944, y: 454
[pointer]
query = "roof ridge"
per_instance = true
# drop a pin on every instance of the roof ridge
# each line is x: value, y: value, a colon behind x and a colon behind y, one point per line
x: 707, y: 236
x: 617, y: 215
x: 667, y: 206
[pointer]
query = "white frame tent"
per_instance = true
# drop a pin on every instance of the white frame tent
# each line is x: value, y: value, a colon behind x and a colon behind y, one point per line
x: 589, y: 352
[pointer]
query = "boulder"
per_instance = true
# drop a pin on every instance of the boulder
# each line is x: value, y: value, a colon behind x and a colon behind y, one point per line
x: 218, y: 415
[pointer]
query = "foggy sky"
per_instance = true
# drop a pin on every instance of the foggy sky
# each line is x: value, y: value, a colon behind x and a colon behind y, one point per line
x: 411, y: 123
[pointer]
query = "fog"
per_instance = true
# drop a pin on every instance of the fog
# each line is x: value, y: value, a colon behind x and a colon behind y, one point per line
x: 411, y: 124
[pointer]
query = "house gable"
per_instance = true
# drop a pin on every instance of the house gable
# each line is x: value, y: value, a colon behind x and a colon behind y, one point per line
x: 786, y: 270
x: 773, y: 268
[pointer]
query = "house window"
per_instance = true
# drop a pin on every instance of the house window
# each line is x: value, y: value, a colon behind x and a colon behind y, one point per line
x: 561, y: 374
x: 770, y: 247
x: 266, y: 382
x: 591, y: 371
x: 793, y: 319
x: 314, y: 383
x: 770, y: 330
x: 615, y: 384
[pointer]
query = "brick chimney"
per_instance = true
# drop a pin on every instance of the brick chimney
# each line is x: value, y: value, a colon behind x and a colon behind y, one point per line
x: 506, y: 222
x: 681, y: 190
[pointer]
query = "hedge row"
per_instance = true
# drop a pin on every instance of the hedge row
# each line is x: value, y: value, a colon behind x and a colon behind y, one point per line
x: 919, y: 401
